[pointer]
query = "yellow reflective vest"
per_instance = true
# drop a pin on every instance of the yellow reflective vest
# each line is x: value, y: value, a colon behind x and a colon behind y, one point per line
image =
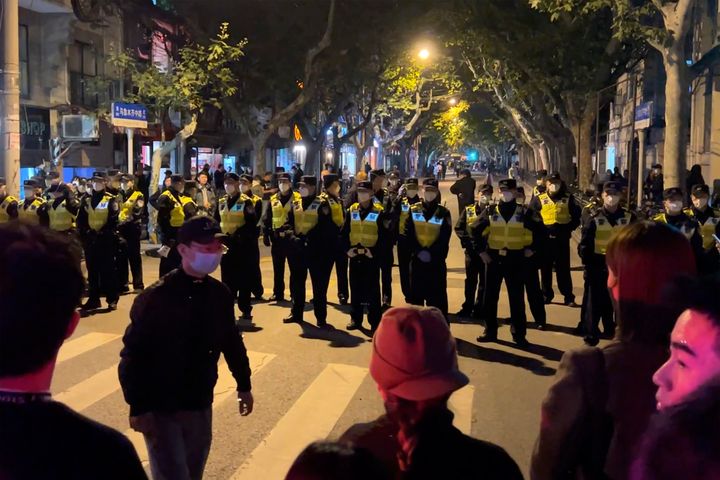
x: 554, y: 212
x: 177, y: 214
x: 603, y: 231
x: 707, y: 229
x: 61, y: 220
x: 364, y: 231
x: 405, y: 206
x: 471, y: 217
x: 426, y: 231
x: 127, y: 206
x: 232, y: 218
x: 306, y: 219
x: 280, y: 211
x: 98, y: 216
x: 7, y: 201
x: 336, y: 209
x: 27, y: 212
x: 510, y: 235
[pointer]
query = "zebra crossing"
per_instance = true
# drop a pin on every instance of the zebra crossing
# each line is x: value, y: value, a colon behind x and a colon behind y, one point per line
x: 312, y: 415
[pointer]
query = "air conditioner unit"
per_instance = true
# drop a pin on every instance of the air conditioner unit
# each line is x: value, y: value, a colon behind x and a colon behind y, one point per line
x: 80, y: 128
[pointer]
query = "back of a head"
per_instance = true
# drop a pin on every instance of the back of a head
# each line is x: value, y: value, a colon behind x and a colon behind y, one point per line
x: 331, y: 461
x: 645, y: 258
x: 683, y: 441
x: 33, y: 261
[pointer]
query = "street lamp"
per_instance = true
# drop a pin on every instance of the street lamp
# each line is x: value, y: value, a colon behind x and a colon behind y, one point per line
x: 424, y: 54
x: 452, y: 102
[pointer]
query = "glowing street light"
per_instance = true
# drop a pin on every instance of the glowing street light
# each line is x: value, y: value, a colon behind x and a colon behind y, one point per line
x: 424, y: 54
x: 452, y: 102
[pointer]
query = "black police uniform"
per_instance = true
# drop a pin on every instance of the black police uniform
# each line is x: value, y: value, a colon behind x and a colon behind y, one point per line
x: 337, y: 213
x: 428, y: 279
x: 687, y: 225
x: 132, y: 203
x: 709, y: 221
x: 278, y: 231
x: 475, y: 270
x: 33, y: 211
x: 401, y: 212
x: 169, y: 223
x: 387, y: 258
x: 312, y: 236
x: 237, y: 216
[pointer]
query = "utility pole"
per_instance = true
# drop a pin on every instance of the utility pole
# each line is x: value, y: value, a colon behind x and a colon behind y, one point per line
x: 10, y: 97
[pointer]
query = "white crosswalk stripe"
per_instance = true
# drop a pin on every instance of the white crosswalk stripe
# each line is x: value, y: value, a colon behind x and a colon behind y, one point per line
x: 86, y: 393
x: 311, y: 418
x: 224, y: 389
x: 461, y: 405
x: 83, y: 344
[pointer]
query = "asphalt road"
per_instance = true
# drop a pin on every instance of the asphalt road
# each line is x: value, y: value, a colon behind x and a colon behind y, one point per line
x: 309, y: 384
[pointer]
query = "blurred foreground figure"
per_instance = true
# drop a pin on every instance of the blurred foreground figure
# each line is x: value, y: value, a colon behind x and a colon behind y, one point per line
x: 331, y: 461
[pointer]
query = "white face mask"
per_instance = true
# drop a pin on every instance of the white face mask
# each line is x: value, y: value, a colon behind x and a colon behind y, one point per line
x: 284, y: 187
x: 539, y: 182
x: 483, y: 200
x: 412, y: 192
x: 674, y: 207
x: 304, y: 192
x: 363, y: 197
x: 98, y: 186
x: 205, y: 263
x: 29, y: 193
x: 611, y: 201
x: 81, y: 188
x: 508, y: 196
x: 553, y: 187
x: 430, y: 196
x: 700, y: 202
x: 125, y: 186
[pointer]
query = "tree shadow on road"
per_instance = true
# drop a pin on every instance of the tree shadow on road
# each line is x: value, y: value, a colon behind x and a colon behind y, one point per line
x: 481, y: 352
x: 337, y: 338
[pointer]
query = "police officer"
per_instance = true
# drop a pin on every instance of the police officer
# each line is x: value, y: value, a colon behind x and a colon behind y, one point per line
x: 275, y: 226
x: 408, y: 196
x: 174, y: 207
x: 8, y: 204
x: 246, y: 188
x: 506, y: 232
x: 382, y: 197
x: 561, y: 215
x: 81, y: 189
x: 52, y: 179
x: 673, y: 215
x: 539, y: 187
x: 428, y: 232
x: 313, y: 233
x: 62, y: 209
x: 331, y: 195
x: 363, y: 235
x: 709, y: 220
x: 475, y: 271
x: 597, y: 229
x: 132, y: 203
x: 97, y: 223
x: 33, y: 209
x: 113, y: 183
x: 531, y: 278
x: 238, y: 221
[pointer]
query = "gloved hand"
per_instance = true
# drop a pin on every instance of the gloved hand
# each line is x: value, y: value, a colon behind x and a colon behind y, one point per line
x: 352, y: 253
x: 424, y: 256
x: 266, y: 240
x: 485, y: 257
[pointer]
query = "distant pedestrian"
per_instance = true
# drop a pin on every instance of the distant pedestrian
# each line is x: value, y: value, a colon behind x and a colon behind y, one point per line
x: 219, y: 178
x: 464, y: 188
x: 205, y: 198
x: 415, y: 366
x: 42, y: 438
x: 695, y: 177
x: 168, y: 367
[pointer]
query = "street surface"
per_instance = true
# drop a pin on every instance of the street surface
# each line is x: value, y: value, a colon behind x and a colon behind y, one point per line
x: 310, y: 384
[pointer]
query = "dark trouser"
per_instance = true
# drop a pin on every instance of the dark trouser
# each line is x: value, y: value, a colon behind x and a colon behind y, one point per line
x: 474, y: 284
x: 386, y: 275
x: 535, y: 298
x: 235, y: 272
x: 583, y: 306
x: 512, y: 271
x: 320, y: 269
x: 599, y: 306
x: 341, y: 272
x: 428, y: 284
x: 100, y: 263
x: 121, y: 262
x: 709, y: 263
x: 404, y: 267
x: 365, y: 288
x: 254, y: 266
x: 558, y: 256
x: 178, y: 444
x: 279, y: 252
x: 171, y: 261
x: 130, y: 232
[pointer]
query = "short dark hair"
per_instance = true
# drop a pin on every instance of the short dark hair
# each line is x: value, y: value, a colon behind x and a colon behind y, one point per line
x: 683, y: 440
x: 40, y: 287
x: 332, y: 460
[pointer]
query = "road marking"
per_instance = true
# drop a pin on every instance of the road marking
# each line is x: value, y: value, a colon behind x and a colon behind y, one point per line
x: 91, y: 390
x: 311, y: 418
x: 83, y: 344
x: 224, y: 388
x: 461, y: 404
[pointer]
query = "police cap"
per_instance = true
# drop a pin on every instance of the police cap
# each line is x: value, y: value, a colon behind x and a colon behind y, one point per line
x: 672, y: 192
x: 700, y: 190
x: 113, y: 172
x: 541, y: 174
x: 376, y: 173
x: 246, y: 178
x: 394, y: 176
x: 99, y: 176
x: 657, y: 166
x: 126, y: 177
x: 309, y: 180
x: 31, y: 183
x: 555, y: 176
x: 486, y: 189
x: 430, y: 182
x: 282, y: 176
x: 411, y: 181
x: 329, y: 179
x: 612, y: 187
x: 176, y: 178
x: 507, y: 184
x: 233, y: 177
x: 364, y: 185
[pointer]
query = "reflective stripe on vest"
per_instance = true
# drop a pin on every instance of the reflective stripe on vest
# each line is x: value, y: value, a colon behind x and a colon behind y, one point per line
x: 510, y: 235
x: 364, y: 232
x: 707, y: 229
x: 405, y: 213
x: 98, y: 216
x: 29, y: 214
x: 128, y: 206
x: 233, y: 218
x: 684, y: 229
x: 4, y: 215
x: 336, y: 210
x: 307, y: 219
x: 177, y: 214
x: 554, y: 212
x: 426, y: 231
x: 603, y: 231
x: 471, y: 218
x: 61, y: 219
x: 280, y: 211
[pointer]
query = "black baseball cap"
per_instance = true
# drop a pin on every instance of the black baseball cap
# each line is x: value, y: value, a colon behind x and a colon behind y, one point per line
x: 309, y: 180
x: 199, y: 230
x: 507, y: 183
x: 700, y: 189
x: 329, y: 179
x: 672, y: 192
x: 612, y: 187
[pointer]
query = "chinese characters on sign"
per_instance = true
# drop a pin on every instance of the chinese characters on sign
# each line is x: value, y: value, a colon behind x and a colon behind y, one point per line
x: 129, y: 115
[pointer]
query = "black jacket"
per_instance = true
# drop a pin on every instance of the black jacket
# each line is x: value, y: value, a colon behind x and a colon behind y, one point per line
x: 438, y: 250
x: 179, y: 326
x: 586, y: 247
x: 465, y: 191
x: 442, y: 451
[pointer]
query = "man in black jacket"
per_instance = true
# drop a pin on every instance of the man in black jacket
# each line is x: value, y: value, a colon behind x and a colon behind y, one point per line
x: 464, y: 188
x: 168, y: 367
